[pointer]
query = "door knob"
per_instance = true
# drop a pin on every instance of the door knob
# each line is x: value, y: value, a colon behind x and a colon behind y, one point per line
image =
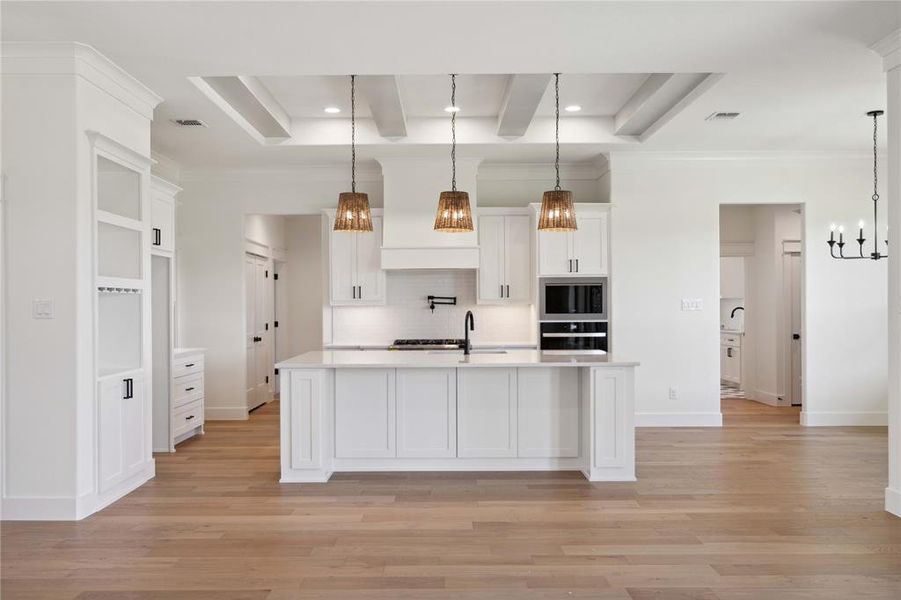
x: 257, y: 338
x: 796, y: 336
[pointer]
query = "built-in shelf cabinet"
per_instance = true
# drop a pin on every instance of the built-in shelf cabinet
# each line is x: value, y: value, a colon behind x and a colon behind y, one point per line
x: 355, y: 271
x: 162, y: 215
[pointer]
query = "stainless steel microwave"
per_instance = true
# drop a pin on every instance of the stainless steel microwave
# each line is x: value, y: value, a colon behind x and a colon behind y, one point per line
x: 573, y: 299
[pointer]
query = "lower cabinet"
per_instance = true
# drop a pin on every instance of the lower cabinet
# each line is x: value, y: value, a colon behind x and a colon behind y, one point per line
x: 121, y: 428
x: 364, y: 413
x: 548, y: 412
x: 486, y: 413
x: 426, y: 413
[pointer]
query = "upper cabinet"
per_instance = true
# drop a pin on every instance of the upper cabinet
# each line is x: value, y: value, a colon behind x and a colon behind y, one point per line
x: 505, y: 258
x: 355, y: 272
x: 162, y: 215
x: 583, y: 252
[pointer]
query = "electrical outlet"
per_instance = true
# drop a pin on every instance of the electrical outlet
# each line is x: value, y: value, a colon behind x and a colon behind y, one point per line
x: 673, y: 394
x: 42, y: 308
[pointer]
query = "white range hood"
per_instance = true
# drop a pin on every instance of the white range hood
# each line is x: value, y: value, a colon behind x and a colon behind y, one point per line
x: 411, y: 189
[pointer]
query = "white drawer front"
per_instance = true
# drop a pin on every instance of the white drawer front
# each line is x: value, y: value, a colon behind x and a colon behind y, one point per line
x: 187, y: 365
x: 188, y: 417
x: 187, y: 389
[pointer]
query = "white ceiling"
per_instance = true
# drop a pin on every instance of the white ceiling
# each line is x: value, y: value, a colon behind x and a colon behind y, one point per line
x: 801, y: 73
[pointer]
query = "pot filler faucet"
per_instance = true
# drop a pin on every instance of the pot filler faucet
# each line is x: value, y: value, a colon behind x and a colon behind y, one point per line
x: 469, y: 324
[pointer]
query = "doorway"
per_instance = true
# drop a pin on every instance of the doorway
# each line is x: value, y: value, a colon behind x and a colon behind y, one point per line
x: 258, y: 334
x: 761, y: 304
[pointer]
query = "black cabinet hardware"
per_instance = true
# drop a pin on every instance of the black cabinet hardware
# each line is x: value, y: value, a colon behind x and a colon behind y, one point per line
x: 189, y: 389
x: 189, y: 417
x: 157, y: 237
x: 275, y: 276
x: 267, y: 326
x: 276, y: 371
x: 189, y: 365
x: 796, y: 336
x: 129, y: 388
x: 275, y: 323
x: 508, y: 290
x: 257, y: 338
x: 267, y: 379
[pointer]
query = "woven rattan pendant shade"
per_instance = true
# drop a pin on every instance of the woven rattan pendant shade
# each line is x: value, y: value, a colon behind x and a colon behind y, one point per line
x: 454, y: 214
x: 353, y: 212
x: 557, y: 211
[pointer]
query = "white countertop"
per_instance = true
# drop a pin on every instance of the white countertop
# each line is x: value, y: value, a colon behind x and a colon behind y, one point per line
x: 182, y: 352
x: 525, y: 345
x: 329, y: 359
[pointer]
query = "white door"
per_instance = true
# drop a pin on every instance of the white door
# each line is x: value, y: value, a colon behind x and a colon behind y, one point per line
x: 548, y: 413
x: 264, y: 330
x: 250, y: 343
x: 162, y: 223
x: 342, y: 274
x: 258, y: 338
x: 486, y: 413
x: 553, y: 253
x: 589, y: 245
x: 795, y: 374
x: 370, y: 279
x: 364, y: 413
x: 426, y: 413
x: 491, y: 258
x: 518, y: 259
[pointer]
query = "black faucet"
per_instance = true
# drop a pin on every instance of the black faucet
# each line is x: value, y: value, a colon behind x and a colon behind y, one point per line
x: 469, y: 324
x: 732, y: 314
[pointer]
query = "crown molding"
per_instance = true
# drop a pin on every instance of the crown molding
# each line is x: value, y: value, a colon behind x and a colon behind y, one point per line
x: 889, y: 48
x: 299, y: 174
x: 73, y: 58
x: 624, y: 157
x: 542, y: 171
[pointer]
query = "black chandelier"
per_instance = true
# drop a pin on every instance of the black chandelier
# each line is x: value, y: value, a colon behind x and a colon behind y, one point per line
x: 875, y: 254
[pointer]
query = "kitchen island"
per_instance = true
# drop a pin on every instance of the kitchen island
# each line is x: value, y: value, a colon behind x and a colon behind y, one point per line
x: 492, y: 410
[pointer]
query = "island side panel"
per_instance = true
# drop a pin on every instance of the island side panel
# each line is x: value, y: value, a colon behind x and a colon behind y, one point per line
x: 612, y: 424
x: 306, y: 425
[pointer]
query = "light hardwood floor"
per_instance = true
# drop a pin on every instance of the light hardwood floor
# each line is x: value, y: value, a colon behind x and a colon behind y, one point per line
x: 760, y: 509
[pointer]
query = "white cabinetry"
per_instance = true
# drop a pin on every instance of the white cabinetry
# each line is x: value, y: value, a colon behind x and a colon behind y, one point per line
x: 730, y: 358
x: 486, y: 412
x: 548, y: 413
x: 187, y: 396
x: 355, y: 272
x: 364, y: 413
x: 122, y: 429
x: 505, y: 258
x: 426, y: 413
x: 162, y: 215
x: 581, y: 252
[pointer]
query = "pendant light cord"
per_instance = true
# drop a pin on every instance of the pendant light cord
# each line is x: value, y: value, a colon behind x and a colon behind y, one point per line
x: 453, y: 133
x: 353, y: 135
x: 557, y: 129
x: 875, y: 184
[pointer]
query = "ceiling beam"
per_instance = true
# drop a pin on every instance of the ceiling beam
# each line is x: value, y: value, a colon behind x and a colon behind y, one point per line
x: 659, y: 99
x: 521, y: 100
x: 383, y: 96
x: 246, y: 100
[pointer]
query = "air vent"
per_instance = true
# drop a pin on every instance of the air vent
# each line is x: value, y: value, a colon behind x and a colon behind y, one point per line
x: 189, y: 122
x: 722, y: 116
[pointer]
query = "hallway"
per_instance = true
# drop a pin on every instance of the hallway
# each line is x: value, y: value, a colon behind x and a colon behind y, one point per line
x: 760, y: 509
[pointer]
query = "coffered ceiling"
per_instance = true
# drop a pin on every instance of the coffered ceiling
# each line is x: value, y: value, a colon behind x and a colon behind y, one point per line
x: 800, y: 73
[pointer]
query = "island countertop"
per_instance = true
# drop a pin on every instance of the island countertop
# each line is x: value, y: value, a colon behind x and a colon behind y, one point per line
x: 342, y: 359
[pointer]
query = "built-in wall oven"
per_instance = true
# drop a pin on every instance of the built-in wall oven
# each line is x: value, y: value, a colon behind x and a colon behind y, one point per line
x: 573, y: 317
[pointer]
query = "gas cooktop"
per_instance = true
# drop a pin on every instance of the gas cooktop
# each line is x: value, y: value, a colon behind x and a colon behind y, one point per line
x: 439, y: 344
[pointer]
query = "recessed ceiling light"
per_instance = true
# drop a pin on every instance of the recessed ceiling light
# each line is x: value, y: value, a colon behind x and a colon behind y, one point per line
x: 573, y: 108
x: 332, y: 110
x: 451, y: 109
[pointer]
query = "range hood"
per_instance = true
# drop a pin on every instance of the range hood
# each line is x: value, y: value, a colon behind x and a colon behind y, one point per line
x: 411, y: 189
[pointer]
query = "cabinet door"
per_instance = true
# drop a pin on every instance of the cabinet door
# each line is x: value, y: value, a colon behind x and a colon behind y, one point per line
x: 162, y: 222
x: 486, y: 412
x: 370, y: 279
x: 553, y: 253
x: 134, y: 427
x: 548, y: 410
x: 122, y: 428
x: 518, y: 259
x: 589, y: 245
x: 364, y: 413
x: 491, y: 258
x: 342, y: 257
x: 426, y: 413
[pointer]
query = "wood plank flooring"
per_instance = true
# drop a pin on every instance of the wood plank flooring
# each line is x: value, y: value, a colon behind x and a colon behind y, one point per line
x: 760, y: 509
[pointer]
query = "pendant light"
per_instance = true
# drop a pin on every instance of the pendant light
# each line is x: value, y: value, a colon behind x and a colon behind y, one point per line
x: 875, y: 254
x: 454, y: 214
x: 557, y: 210
x: 353, y: 207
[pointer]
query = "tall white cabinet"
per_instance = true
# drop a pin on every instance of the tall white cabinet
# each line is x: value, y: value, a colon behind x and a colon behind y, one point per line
x: 505, y: 256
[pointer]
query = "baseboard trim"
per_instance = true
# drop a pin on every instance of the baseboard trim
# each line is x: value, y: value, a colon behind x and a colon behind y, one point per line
x: 893, y: 501
x: 38, y: 508
x: 691, y: 419
x: 844, y: 419
x: 213, y: 413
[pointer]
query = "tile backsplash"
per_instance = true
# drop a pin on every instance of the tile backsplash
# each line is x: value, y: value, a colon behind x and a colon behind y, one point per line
x: 407, y: 315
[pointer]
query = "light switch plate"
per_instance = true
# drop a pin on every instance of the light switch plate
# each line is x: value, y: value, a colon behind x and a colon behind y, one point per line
x: 42, y: 308
x: 692, y: 304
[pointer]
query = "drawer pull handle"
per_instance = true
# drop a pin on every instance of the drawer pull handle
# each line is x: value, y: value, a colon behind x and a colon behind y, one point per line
x: 189, y: 417
x: 189, y: 365
x: 189, y: 389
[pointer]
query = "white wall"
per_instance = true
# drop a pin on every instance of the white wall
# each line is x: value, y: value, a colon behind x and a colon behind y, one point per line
x: 407, y: 315
x: 665, y: 246
x: 300, y: 325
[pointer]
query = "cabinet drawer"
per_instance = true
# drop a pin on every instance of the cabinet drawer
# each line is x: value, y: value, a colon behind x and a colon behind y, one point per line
x: 730, y: 340
x: 187, y: 389
x: 187, y: 417
x: 187, y: 365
